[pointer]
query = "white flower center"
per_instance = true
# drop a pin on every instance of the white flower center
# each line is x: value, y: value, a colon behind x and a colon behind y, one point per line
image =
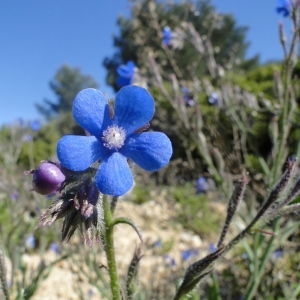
x: 114, y: 137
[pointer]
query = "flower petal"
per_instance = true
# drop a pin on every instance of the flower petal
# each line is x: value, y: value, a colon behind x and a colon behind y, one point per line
x: 114, y: 176
x: 134, y: 107
x: 150, y: 150
x: 77, y: 153
x: 91, y: 111
x: 123, y: 81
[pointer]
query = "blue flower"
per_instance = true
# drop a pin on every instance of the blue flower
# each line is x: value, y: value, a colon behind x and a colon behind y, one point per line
x: 212, y: 247
x: 114, y: 139
x: 158, y: 243
x: 186, y: 254
x: 30, y: 242
x: 202, y: 185
x: 35, y: 125
x: 214, y: 98
x: 126, y: 74
x: 55, y: 247
x: 187, y: 97
x: 284, y: 7
x: 27, y: 137
x: 170, y: 260
x: 167, y: 35
x: 14, y: 195
x: 277, y: 253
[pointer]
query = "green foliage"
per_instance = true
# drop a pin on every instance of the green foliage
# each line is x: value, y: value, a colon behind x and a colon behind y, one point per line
x: 142, y: 33
x: 259, y: 80
x: 140, y: 193
x: 195, y: 212
x: 65, y: 85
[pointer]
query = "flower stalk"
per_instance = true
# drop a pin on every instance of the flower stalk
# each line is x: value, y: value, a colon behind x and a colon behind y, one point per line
x: 110, y: 250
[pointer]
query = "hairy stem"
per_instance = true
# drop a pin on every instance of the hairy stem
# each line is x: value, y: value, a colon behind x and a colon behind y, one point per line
x: 110, y: 250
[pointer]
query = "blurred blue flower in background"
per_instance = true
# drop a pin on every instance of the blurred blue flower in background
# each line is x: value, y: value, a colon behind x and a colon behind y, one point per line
x: 202, y: 185
x: 187, y: 97
x: 19, y: 122
x: 212, y: 247
x: 55, y: 247
x: 214, y: 98
x: 90, y: 293
x: 14, y: 195
x: 158, y: 243
x: 186, y: 254
x: 30, y: 242
x: 126, y: 74
x: 27, y: 137
x: 35, y: 125
x: 244, y: 255
x: 284, y: 7
x: 167, y: 35
x: 115, y: 139
x: 277, y: 253
x: 170, y: 260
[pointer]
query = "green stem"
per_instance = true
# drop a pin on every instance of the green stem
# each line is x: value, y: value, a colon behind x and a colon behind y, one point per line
x: 110, y: 250
x: 258, y: 275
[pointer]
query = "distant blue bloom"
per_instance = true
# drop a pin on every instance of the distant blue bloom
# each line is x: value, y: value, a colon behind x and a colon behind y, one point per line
x: 27, y: 137
x: 186, y: 254
x: 157, y: 243
x: 167, y: 35
x: 91, y: 293
x: 55, y: 247
x: 126, y: 74
x: 284, y: 7
x: 30, y: 242
x: 214, y: 98
x: 278, y: 253
x: 8, y: 283
x: 14, y: 195
x: 115, y: 139
x: 35, y: 125
x: 244, y: 255
x: 19, y: 122
x: 170, y: 260
x: 212, y: 248
x: 292, y: 158
x: 202, y: 185
x: 188, y: 99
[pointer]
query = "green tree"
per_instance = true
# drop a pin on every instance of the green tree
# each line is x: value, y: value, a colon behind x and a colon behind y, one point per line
x: 66, y: 84
x: 141, y: 34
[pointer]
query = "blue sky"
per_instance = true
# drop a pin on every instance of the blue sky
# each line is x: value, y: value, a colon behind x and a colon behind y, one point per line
x: 37, y: 37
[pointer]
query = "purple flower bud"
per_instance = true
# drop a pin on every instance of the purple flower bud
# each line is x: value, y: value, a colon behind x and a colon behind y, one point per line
x: 47, y: 179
